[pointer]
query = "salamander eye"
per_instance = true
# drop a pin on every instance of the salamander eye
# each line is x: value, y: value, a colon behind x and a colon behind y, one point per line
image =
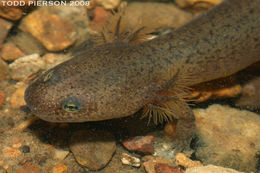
x: 71, y: 104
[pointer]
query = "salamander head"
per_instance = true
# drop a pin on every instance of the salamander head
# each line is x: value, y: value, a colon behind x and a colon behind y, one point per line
x: 81, y: 90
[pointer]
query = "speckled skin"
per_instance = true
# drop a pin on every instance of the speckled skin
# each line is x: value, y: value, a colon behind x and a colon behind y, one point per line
x: 116, y: 80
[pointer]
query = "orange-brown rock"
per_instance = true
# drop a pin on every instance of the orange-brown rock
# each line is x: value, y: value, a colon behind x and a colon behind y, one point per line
x: 11, y: 13
x: 11, y: 52
x: 53, y: 32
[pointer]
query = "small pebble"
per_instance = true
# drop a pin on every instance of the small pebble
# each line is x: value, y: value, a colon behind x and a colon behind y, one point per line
x: 127, y: 159
x: 143, y: 144
x: 11, y: 152
x: 29, y: 168
x: 17, y: 140
x: 100, y: 18
x: 164, y: 168
x: 60, y: 168
x: 149, y: 165
x: 92, y: 149
x: 184, y: 161
x: 25, y: 149
x: 50, y: 58
x: 53, y: 59
x: 18, y: 145
x: 26, y: 66
x: 60, y: 154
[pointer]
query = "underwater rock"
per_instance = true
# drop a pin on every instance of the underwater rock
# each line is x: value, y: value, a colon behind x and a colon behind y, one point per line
x: 228, y: 87
x: 92, y: 149
x: 127, y: 159
x: 250, y: 97
x: 11, y: 13
x: 107, y: 4
x: 5, y: 26
x: 100, y: 18
x: 17, y: 98
x: 60, y: 168
x: 184, y: 161
x: 210, y: 169
x: 53, y: 32
x: 143, y: 144
x: 11, y: 152
x: 11, y: 52
x: 154, y: 16
x: 149, y: 165
x: 228, y: 137
x: 50, y: 58
x: 4, y: 72
x: 27, y: 43
x: 25, y: 66
x: 76, y: 15
x: 53, y: 59
x: 144, y: 21
x: 164, y: 168
x: 163, y: 145
x: 29, y: 168
x: 60, y: 154
x: 116, y: 166
x: 197, y: 3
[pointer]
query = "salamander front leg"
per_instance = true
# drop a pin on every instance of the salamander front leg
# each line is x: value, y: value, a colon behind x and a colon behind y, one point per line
x: 172, y: 110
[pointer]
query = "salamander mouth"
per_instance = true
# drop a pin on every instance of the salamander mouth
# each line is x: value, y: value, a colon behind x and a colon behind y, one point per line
x: 28, y: 97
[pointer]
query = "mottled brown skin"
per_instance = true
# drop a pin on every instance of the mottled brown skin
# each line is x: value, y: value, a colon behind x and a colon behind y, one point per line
x: 116, y: 80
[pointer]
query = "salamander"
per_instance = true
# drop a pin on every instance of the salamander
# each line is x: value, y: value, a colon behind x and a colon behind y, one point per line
x: 117, y: 79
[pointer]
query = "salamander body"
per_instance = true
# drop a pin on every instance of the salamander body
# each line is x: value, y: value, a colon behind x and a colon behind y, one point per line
x: 117, y: 79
